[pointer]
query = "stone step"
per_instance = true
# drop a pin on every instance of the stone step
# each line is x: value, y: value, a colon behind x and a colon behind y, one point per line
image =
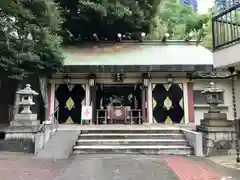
x: 164, y: 150
x: 132, y: 131
x: 130, y: 142
x: 131, y: 136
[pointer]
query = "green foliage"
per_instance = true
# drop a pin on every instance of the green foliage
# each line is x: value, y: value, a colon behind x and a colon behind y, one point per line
x: 207, y: 35
x: 29, y: 41
x: 106, y: 18
x: 178, y: 21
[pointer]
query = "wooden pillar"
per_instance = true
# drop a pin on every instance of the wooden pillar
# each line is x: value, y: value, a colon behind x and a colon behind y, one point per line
x: 49, y: 99
x: 149, y: 103
x: 144, y: 105
x: 93, y: 102
x: 190, y: 102
x: 88, y: 98
x: 185, y: 102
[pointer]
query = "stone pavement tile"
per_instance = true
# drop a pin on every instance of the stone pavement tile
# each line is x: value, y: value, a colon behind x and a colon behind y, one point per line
x: 188, y: 170
x: 14, y: 155
x: 221, y: 171
x: 114, y: 167
x: 226, y: 161
x: 118, y: 167
x: 30, y: 169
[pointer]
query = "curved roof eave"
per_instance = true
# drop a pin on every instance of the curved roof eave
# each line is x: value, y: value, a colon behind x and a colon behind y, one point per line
x: 137, y: 54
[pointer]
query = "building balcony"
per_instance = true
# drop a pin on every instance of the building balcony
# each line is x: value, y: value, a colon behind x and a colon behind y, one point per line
x: 226, y: 37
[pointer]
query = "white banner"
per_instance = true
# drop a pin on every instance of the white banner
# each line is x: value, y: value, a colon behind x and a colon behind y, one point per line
x: 86, y: 113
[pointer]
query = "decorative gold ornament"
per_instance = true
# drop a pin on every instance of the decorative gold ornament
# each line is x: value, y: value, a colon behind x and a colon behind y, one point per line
x: 154, y: 103
x: 167, y: 103
x: 69, y: 103
x: 168, y: 120
x: 69, y: 120
x: 167, y: 86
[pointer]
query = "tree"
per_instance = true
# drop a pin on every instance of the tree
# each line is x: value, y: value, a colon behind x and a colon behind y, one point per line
x: 106, y: 18
x: 207, y: 35
x: 29, y: 40
x: 178, y: 21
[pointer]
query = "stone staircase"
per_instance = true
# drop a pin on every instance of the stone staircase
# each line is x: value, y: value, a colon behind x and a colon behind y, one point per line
x: 161, y: 141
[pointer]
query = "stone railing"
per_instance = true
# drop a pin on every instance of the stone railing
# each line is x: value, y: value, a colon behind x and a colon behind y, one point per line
x: 195, y: 141
x: 47, y: 130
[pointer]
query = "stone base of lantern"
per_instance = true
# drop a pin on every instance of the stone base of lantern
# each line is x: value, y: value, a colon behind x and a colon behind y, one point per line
x: 21, y: 134
x: 20, y: 139
x: 219, y: 135
x: 27, y: 116
x: 24, y: 123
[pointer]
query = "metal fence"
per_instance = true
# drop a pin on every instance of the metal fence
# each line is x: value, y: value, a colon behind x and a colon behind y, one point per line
x: 226, y: 27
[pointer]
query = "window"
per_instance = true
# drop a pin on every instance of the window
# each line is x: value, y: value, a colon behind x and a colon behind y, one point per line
x: 200, y: 98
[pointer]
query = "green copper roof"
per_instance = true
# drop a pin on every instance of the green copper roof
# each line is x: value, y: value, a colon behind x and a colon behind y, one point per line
x: 137, y: 54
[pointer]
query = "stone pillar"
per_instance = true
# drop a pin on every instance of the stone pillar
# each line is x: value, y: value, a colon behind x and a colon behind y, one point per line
x: 219, y: 136
x: 20, y: 135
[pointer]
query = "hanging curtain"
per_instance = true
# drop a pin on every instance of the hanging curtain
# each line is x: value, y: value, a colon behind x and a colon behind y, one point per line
x: 44, y: 92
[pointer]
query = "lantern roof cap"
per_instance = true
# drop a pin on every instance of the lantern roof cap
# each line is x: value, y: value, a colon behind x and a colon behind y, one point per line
x: 27, y: 91
x: 212, y: 89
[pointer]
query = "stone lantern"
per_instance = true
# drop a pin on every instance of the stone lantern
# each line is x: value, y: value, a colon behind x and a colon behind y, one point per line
x: 213, y: 97
x: 26, y: 117
x: 218, y: 134
x: 26, y: 96
x: 21, y: 135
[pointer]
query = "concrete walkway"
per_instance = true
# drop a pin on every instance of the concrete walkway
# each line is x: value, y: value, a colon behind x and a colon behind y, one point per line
x: 60, y: 145
x: 112, y: 167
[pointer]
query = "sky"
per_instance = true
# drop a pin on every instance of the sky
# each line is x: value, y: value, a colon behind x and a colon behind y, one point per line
x: 204, y: 5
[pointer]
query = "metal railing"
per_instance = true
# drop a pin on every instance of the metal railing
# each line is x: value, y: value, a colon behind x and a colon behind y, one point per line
x: 49, y: 127
x: 226, y: 27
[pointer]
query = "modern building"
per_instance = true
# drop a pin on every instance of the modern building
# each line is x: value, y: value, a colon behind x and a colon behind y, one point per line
x: 223, y: 5
x: 192, y: 3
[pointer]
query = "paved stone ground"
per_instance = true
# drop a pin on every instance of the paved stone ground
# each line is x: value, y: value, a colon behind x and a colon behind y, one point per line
x: 112, y: 167
x: 227, y: 161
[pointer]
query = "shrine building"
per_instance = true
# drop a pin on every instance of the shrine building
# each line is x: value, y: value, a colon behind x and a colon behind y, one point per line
x: 134, y: 83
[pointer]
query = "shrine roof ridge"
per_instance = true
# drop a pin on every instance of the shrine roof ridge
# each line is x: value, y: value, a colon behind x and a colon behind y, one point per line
x: 142, y: 42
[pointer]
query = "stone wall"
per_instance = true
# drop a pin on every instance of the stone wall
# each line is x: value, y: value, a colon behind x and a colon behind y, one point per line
x: 218, y: 143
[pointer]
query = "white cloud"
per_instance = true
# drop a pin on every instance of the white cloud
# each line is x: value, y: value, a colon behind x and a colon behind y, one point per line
x: 204, y: 5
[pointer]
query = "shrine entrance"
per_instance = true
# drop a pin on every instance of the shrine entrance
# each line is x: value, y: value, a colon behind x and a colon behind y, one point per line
x: 168, y: 103
x: 119, y: 104
x: 69, y: 99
